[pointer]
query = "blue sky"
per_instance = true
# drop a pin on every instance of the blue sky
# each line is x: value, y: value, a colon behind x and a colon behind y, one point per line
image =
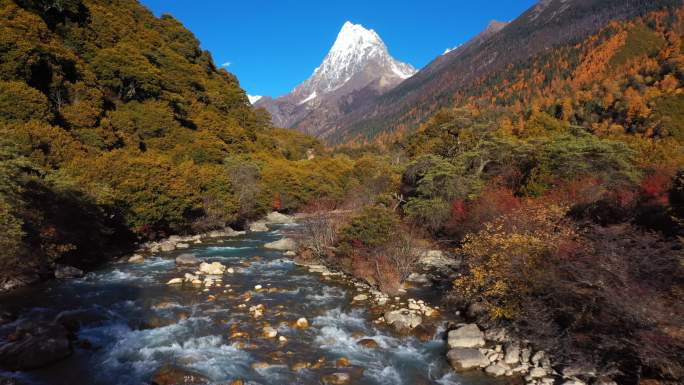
x: 274, y: 45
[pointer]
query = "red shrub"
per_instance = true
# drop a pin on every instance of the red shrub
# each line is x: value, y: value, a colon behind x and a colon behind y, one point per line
x: 656, y: 186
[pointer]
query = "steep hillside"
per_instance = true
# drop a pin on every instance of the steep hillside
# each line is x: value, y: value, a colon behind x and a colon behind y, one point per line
x: 357, y: 67
x: 116, y: 127
x: 550, y: 23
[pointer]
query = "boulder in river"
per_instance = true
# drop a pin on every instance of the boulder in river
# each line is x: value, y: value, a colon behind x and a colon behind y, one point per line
x: 302, y: 323
x: 36, y: 347
x: 368, y: 343
x: 462, y: 359
x: 497, y: 369
x: 466, y: 336
x: 214, y: 268
x: 285, y: 244
x: 66, y: 272
x: 278, y: 218
x: 187, y: 260
x: 137, y: 258
x: 258, y: 227
x: 174, y: 375
x: 403, y: 319
x: 73, y: 320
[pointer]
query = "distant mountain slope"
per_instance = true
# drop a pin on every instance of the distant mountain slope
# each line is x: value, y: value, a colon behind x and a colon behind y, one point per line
x: 548, y: 24
x: 357, y: 60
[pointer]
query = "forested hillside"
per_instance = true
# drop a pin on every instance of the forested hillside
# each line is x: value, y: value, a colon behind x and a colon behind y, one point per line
x: 117, y: 127
x: 557, y: 183
x: 489, y: 59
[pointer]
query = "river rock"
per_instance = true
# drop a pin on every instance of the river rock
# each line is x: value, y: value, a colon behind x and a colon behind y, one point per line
x: 258, y: 227
x: 360, y: 298
x: 167, y: 246
x: 285, y: 244
x: 35, y: 348
x: 302, y: 323
x: 175, y: 281
x: 368, y: 343
x: 182, y: 245
x: 174, y: 375
x: 497, y: 370
x: 65, y: 272
x: 214, y: 268
x: 436, y: 259
x: 512, y: 355
x: 187, y: 260
x: 462, y: 359
x: 337, y: 379
x: 227, y: 232
x: 73, y: 320
x: 278, y: 218
x: 269, y: 332
x: 467, y: 336
x: 418, y: 278
x: 403, y: 319
x: 137, y: 258
x: 537, y: 372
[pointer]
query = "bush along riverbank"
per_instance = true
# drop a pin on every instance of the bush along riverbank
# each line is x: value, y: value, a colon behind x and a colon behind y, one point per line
x: 382, y: 256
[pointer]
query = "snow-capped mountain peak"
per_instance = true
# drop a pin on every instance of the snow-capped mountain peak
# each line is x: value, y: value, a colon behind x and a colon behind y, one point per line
x: 357, y: 66
x: 355, y: 49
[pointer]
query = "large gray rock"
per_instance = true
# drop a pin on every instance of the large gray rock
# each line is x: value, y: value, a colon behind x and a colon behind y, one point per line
x: 285, y: 244
x: 467, y: 336
x: 278, y: 218
x: 403, y: 319
x: 512, y: 355
x: 66, y: 272
x: 187, y: 260
x: 37, y: 347
x: 462, y: 359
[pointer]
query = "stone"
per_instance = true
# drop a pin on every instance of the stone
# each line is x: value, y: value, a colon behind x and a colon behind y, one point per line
x: 214, y: 268
x: 238, y: 382
x: 187, y: 260
x: 285, y: 244
x: 496, y: 369
x: 302, y: 323
x: 360, y: 298
x: 496, y: 335
x: 174, y: 375
x: 37, y: 346
x: 337, y: 379
x: 269, y: 332
x: 73, y: 320
x: 463, y: 359
x: 525, y: 355
x: 182, y: 246
x: 512, y: 355
x: 467, y: 336
x: 290, y: 254
x: 66, y: 272
x: 137, y: 258
x: 368, y: 343
x: 403, y: 319
x: 537, y: 372
x: 175, y: 281
x: 261, y: 365
x: 300, y: 366
x: 167, y: 246
x: 342, y: 362
x: 278, y: 218
x: 258, y: 227
x: 258, y: 287
x: 418, y: 278
x: 257, y: 311
x: 537, y: 357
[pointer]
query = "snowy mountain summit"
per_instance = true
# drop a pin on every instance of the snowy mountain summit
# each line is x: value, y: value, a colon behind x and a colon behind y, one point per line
x: 357, y: 60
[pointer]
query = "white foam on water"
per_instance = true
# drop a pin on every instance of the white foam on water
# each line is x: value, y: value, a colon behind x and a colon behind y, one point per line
x: 449, y: 379
x: 336, y: 317
x: 326, y: 294
x: 228, y: 248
